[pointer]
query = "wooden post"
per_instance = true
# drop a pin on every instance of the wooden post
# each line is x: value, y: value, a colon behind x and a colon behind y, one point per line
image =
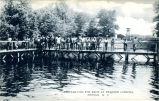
x: 33, y: 55
x: 18, y: 56
x: 104, y: 56
x: 101, y: 56
x: 62, y: 55
x: 126, y: 58
x: 28, y: 45
x: 156, y: 50
x: 82, y: 55
x: 11, y: 45
x: 78, y: 55
x: 55, y: 54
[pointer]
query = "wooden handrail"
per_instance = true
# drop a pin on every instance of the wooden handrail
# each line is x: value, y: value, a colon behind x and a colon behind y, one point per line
x: 13, y: 41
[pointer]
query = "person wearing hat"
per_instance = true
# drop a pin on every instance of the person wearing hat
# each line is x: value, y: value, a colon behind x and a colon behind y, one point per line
x: 58, y: 39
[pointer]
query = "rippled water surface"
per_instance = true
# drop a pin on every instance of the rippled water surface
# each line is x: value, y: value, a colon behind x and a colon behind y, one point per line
x: 46, y: 79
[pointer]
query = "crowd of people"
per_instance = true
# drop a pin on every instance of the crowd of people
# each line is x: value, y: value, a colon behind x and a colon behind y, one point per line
x: 80, y: 43
x: 74, y: 43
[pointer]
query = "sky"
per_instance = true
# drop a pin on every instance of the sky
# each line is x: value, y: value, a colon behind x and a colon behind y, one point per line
x: 134, y: 14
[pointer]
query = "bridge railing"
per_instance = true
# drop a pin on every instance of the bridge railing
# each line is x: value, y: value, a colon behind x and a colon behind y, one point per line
x: 118, y: 45
x: 10, y: 45
x: 140, y: 45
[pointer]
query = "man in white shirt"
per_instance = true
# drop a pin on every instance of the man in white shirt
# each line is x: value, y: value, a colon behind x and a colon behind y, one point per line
x: 58, y: 39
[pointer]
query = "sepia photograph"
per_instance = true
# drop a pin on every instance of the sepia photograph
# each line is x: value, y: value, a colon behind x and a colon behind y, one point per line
x: 79, y: 50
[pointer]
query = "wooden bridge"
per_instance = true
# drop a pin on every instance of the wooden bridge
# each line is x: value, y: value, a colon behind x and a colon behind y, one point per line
x: 99, y: 54
x: 83, y: 54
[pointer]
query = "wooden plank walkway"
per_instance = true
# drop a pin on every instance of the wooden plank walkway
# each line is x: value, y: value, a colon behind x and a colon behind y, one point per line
x: 16, y: 51
x: 85, y: 51
x: 105, y: 52
x: 12, y: 41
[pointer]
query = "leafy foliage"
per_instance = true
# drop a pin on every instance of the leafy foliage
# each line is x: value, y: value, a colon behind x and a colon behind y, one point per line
x: 107, y: 22
x: 81, y: 21
x: 19, y: 21
x: 156, y: 18
x: 93, y: 29
x: 15, y: 20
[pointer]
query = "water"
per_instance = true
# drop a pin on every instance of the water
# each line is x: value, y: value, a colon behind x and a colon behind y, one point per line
x: 45, y: 79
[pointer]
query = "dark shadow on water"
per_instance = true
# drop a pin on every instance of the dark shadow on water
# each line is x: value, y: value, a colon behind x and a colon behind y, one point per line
x: 133, y: 71
x: 14, y: 76
x: 155, y: 83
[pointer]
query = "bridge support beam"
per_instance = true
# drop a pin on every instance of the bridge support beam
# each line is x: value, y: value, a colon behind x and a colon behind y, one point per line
x: 155, y: 59
x: 126, y: 58
x: 18, y: 56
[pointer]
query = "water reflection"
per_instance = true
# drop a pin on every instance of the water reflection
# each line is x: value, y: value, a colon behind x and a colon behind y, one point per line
x: 155, y: 83
x: 29, y: 75
x: 134, y: 71
x: 14, y: 77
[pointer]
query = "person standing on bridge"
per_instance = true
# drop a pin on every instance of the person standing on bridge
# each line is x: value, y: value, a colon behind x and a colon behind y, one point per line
x: 98, y: 42
x: 58, y: 39
x: 42, y: 41
x: 71, y: 43
x: 112, y: 44
x: 105, y: 43
x: 83, y: 43
x: 88, y: 43
x: 93, y: 43
x: 78, y: 40
x: 27, y: 42
x: 37, y: 42
x: 125, y: 44
x: 134, y: 41
x: 46, y: 42
x: 64, y: 42
x: 49, y: 41
x: 54, y: 42
x: 67, y: 42
x: 75, y: 43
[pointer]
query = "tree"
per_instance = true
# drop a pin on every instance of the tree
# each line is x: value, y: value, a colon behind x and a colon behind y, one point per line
x: 93, y: 29
x: 15, y: 20
x: 156, y: 18
x: 107, y: 22
x: 8, y: 19
x: 56, y: 20
x: 81, y: 21
x: 66, y: 24
x: 47, y: 22
x: 121, y: 36
x: 33, y: 25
